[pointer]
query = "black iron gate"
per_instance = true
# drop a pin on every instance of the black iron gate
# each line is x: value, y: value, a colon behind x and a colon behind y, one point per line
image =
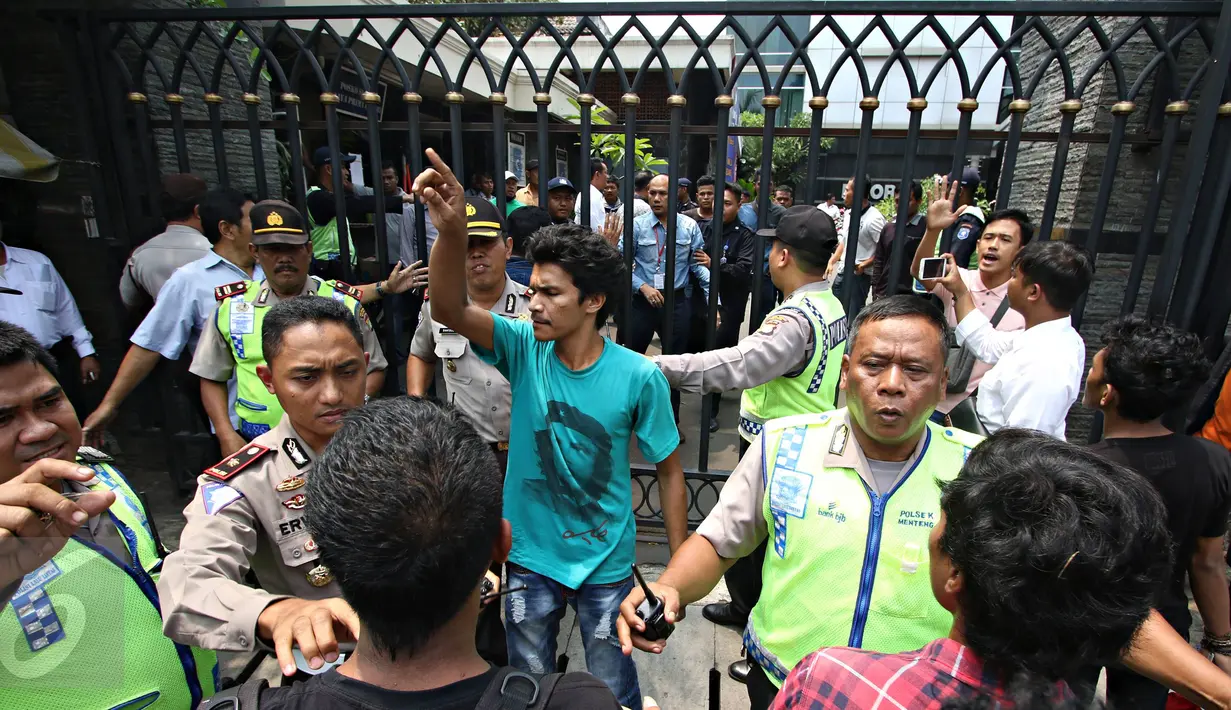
x: 1136, y: 90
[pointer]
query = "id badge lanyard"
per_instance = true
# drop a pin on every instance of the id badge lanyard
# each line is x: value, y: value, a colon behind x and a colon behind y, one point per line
x: 660, y: 279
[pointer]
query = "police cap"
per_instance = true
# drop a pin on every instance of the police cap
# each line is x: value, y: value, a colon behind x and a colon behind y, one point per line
x: 483, y: 219
x: 276, y: 222
x: 809, y: 230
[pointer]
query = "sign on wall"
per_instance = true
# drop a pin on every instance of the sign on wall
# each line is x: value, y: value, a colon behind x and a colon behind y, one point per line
x: 350, y: 96
x: 517, y: 155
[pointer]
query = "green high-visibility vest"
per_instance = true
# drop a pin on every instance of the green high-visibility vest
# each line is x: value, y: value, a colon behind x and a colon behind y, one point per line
x: 325, y: 238
x: 239, y: 320
x: 85, y: 631
x: 846, y: 566
x: 813, y: 389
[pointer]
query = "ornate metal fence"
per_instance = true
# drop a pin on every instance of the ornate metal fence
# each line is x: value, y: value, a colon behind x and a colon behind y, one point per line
x: 1138, y: 89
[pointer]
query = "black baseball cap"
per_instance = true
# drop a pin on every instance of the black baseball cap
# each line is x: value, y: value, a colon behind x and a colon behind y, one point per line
x: 808, y: 229
x: 558, y: 183
x: 276, y: 222
x: 483, y: 219
x: 532, y: 165
x: 322, y: 157
x: 970, y: 177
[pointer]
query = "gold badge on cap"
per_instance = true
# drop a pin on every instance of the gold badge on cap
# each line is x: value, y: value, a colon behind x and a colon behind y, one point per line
x: 290, y: 484
x: 470, y: 210
x: 274, y: 219
x: 319, y: 576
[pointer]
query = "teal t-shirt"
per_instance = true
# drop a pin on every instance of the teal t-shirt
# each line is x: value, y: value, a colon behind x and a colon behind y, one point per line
x: 567, y: 491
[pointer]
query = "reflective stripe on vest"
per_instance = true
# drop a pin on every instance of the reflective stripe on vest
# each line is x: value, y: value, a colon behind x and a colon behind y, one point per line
x: 817, y: 518
x: 257, y: 409
x: 815, y: 388
x: 96, y: 624
x: 325, y: 238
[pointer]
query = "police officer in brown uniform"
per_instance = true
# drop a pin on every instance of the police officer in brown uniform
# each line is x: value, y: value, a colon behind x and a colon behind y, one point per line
x: 231, y: 344
x: 248, y: 510
x: 475, y: 387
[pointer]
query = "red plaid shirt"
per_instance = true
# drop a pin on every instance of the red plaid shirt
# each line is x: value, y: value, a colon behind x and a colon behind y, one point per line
x: 855, y: 679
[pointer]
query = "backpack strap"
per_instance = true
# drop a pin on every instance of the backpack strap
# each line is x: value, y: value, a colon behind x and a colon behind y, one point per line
x: 240, y: 697
x: 514, y: 690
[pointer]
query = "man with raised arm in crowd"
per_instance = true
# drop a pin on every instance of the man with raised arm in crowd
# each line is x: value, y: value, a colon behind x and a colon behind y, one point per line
x: 578, y: 399
x: 1036, y: 373
x: 1008, y: 231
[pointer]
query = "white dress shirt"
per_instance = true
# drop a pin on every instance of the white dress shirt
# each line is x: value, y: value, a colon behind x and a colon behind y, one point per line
x: 871, y: 223
x: 598, y: 209
x: 45, y: 306
x: 1036, y: 373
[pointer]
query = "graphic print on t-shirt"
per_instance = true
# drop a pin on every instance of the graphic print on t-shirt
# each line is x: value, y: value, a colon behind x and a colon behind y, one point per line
x: 581, y: 491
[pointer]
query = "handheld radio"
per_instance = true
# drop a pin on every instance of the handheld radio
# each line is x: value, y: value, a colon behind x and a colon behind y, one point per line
x: 652, y: 612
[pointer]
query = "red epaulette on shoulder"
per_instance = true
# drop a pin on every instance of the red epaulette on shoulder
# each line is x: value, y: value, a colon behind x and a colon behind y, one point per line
x: 348, y: 290
x: 236, y: 462
x: 225, y: 292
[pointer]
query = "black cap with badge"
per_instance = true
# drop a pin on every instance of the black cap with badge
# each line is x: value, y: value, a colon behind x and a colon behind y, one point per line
x: 808, y: 230
x: 276, y: 222
x: 483, y: 219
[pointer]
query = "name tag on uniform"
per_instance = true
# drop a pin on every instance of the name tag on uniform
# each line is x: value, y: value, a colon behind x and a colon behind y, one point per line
x: 243, y: 320
x: 660, y: 281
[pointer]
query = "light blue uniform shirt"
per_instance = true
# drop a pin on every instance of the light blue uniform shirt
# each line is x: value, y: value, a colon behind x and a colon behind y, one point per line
x: 566, y: 493
x: 185, y: 304
x: 650, y: 255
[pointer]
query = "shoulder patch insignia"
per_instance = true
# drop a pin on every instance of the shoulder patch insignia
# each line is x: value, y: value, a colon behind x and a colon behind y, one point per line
x: 236, y: 462
x: 216, y: 496
x: 263, y: 298
x: 837, y: 445
x: 347, y: 289
x: 224, y: 292
x: 963, y: 233
x: 295, y: 453
x: 523, y: 316
x: 771, y: 324
x: 510, y: 303
x: 89, y: 454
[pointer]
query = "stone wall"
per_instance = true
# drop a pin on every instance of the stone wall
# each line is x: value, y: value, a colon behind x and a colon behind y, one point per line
x: 201, y: 149
x: 1135, y: 171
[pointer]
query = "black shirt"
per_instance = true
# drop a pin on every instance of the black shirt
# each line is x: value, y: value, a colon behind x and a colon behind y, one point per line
x: 736, y: 250
x: 1193, y: 476
x: 333, y: 691
x: 916, y: 227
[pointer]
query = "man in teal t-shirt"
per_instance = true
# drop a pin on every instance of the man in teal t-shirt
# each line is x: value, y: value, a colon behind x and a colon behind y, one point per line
x: 577, y: 400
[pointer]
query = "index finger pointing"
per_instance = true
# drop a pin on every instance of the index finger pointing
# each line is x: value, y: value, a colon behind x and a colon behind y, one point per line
x: 445, y: 171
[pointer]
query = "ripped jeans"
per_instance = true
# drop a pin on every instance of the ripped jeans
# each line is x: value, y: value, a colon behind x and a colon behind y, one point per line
x: 532, y: 624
